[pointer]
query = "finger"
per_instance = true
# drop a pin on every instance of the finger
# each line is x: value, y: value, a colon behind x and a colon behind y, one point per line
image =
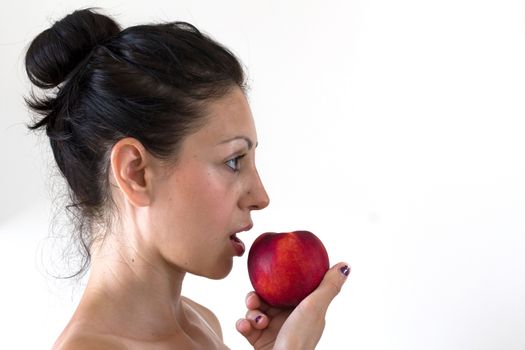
x: 258, y: 319
x: 333, y: 281
x: 244, y: 327
x: 330, y: 285
x: 254, y: 301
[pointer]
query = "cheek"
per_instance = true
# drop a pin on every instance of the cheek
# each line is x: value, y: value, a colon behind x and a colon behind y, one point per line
x: 209, y: 195
x: 218, y: 195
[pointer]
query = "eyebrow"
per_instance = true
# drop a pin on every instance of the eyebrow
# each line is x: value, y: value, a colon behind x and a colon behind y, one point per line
x: 248, y: 141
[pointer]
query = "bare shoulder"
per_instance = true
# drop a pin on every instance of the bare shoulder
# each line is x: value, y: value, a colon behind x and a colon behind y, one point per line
x: 84, y: 341
x: 207, y: 314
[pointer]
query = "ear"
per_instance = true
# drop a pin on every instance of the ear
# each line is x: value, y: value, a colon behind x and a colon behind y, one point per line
x: 130, y: 167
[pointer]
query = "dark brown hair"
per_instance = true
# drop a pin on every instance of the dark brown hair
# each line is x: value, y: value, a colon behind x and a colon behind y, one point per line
x: 101, y: 84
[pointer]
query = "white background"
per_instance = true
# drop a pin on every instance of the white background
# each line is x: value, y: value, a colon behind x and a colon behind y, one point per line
x: 392, y: 129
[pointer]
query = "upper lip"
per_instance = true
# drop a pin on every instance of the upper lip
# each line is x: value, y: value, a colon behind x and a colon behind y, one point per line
x: 245, y: 228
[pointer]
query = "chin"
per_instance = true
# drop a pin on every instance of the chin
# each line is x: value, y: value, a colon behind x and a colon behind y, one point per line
x: 217, y: 271
x: 220, y: 271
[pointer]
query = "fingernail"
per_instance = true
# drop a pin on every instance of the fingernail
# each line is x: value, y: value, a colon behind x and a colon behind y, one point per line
x: 345, y: 270
x: 258, y: 319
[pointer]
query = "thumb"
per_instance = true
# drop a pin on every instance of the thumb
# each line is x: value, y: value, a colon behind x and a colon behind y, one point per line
x: 331, y: 284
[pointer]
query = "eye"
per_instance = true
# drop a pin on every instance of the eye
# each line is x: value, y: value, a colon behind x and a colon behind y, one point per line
x: 234, y: 163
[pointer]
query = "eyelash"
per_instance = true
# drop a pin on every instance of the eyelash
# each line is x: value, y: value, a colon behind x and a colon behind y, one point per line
x: 236, y: 166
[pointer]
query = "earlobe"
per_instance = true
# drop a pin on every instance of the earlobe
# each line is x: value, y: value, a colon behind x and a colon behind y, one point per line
x: 129, y: 165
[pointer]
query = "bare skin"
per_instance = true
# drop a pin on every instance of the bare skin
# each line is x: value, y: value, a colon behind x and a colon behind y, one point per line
x: 173, y: 219
x: 180, y: 218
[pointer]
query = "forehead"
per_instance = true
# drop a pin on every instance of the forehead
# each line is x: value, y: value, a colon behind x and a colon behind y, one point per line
x: 227, y: 117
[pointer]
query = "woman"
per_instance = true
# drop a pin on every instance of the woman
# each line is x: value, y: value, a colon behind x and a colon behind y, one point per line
x: 152, y: 131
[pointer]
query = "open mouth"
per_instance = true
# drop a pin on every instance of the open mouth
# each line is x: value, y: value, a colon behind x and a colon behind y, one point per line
x: 237, y: 244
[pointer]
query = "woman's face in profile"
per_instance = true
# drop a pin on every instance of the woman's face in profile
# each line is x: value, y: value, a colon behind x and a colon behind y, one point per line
x: 207, y: 196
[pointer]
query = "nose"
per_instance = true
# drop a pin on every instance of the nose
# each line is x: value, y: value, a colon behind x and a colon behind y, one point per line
x: 256, y: 197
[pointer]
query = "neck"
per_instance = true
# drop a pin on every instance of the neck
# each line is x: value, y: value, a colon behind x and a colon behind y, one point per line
x: 136, y: 286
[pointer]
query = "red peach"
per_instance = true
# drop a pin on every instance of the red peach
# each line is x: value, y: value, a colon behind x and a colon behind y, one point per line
x: 286, y: 267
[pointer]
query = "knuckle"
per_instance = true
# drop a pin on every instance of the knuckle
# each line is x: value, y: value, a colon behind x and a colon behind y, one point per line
x: 334, y: 287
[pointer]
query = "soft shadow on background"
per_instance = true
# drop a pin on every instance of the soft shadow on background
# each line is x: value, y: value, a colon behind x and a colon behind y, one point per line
x: 392, y: 129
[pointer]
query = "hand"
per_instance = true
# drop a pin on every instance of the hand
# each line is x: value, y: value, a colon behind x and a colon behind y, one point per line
x: 266, y: 327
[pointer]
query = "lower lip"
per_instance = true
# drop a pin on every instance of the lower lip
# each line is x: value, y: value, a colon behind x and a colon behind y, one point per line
x: 238, y: 245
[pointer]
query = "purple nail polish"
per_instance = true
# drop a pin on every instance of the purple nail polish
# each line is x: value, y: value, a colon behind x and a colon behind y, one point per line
x: 345, y: 270
x: 258, y: 319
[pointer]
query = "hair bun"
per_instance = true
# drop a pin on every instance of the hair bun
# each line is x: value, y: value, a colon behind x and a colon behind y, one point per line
x: 55, y: 52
